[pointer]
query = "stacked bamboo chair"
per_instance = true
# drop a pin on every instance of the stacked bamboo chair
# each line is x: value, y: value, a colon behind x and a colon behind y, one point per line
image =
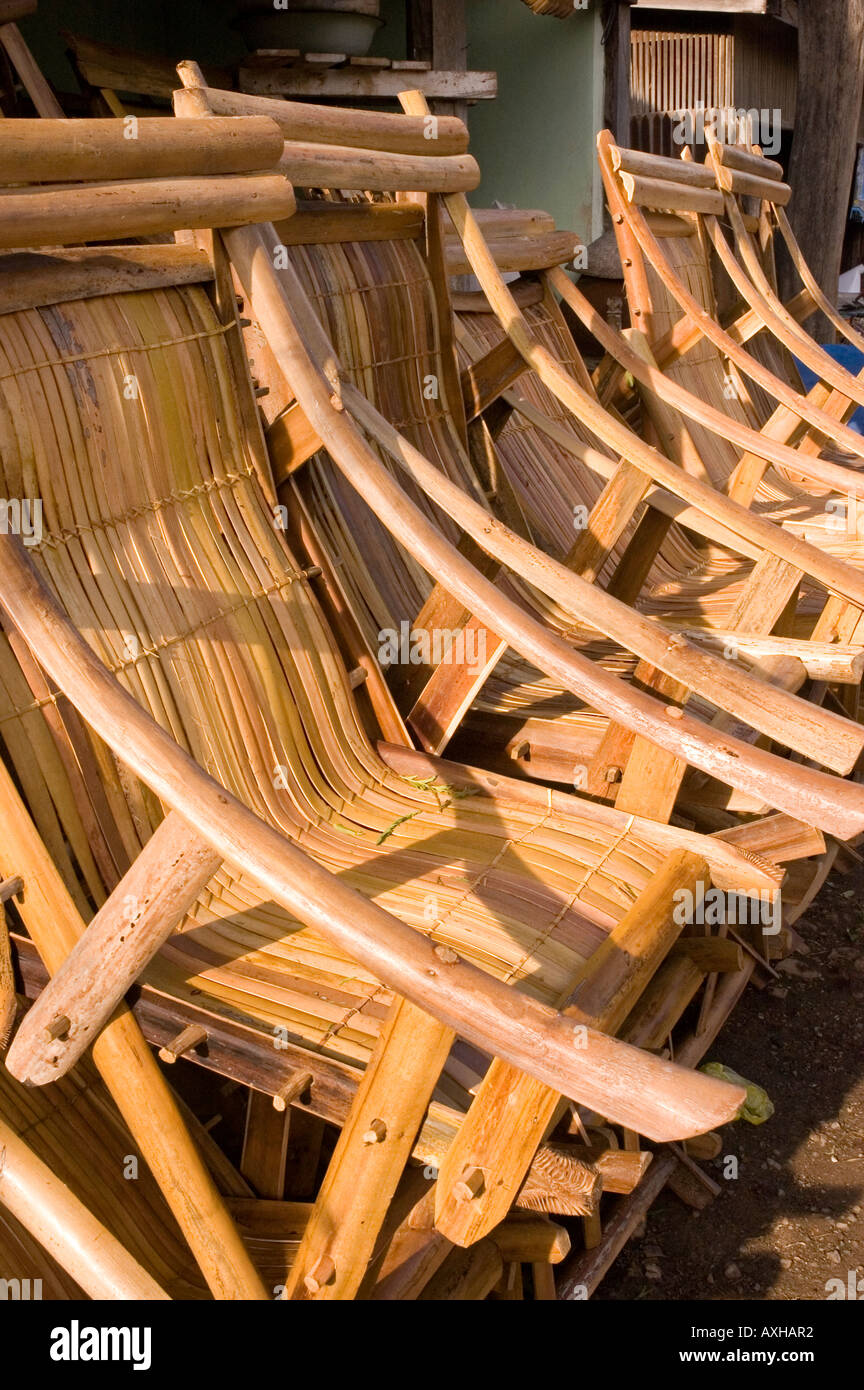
x: 169, y: 630
x: 316, y: 386
x: 193, y: 719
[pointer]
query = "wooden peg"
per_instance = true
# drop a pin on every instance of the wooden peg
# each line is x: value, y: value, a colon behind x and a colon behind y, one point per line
x: 58, y: 1027
x: 357, y: 677
x: 186, y: 1041
x: 470, y: 1185
x: 324, y: 1272
x: 376, y: 1133
x: 294, y: 1089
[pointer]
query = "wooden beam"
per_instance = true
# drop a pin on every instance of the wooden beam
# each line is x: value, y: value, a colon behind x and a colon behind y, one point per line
x: 29, y: 279
x: 151, y: 207
x: 46, y: 151
x: 359, y: 84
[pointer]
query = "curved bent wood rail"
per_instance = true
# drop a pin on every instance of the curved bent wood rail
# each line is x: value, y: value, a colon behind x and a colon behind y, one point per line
x: 811, y: 284
x: 832, y: 475
x: 721, y: 159
x: 630, y: 1086
x: 752, y: 284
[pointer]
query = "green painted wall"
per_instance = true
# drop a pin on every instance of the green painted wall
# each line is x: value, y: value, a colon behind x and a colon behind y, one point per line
x: 535, y: 144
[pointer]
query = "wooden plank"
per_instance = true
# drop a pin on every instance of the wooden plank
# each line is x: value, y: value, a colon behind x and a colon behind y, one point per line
x: 28, y: 279
x: 28, y: 70
x: 321, y: 223
x: 291, y: 442
x: 265, y: 1146
x: 119, y: 69
x: 483, y: 380
x: 363, y: 85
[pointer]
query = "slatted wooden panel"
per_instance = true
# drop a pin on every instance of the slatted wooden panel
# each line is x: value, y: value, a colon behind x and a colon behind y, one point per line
x: 680, y: 72
x: 673, y: 73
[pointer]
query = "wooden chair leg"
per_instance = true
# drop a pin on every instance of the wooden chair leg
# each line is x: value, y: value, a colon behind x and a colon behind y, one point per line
x: 511, y: 1113
x: 371, y: 1152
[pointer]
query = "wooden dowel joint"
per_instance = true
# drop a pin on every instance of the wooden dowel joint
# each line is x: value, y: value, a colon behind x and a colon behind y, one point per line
x: 295, y: 1088
x: 189, y: 1040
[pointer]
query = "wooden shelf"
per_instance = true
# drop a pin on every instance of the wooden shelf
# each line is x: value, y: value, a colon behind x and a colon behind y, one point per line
x: 292, y: 74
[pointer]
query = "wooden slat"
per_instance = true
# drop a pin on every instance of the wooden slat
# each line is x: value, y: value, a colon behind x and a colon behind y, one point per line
x: 363, y: 85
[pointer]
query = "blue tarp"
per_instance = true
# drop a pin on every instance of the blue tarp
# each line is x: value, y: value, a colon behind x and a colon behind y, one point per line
x: 849, y: 357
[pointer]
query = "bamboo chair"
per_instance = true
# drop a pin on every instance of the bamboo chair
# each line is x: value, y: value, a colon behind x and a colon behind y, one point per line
x: 668, y: 276
x: 205, y: 649
x: 330, y: 272
x: 427, y: 725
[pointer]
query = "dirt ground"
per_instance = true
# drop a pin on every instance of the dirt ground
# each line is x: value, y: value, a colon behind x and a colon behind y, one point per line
x: 793, y: 1219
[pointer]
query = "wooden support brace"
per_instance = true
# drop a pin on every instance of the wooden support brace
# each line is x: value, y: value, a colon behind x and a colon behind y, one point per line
x: 371, y: 1152
x: 150, y: 902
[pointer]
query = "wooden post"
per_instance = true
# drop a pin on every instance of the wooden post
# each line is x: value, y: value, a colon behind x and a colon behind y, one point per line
x: 616, y: 48
x: 830, y: 81
x: 438, y: 34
